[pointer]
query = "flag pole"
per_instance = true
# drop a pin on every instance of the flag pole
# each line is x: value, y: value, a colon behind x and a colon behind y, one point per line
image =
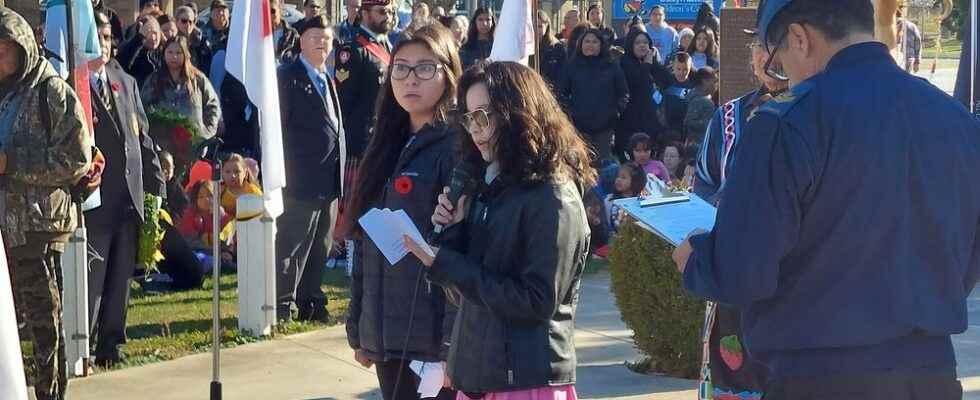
x: 70, y: 39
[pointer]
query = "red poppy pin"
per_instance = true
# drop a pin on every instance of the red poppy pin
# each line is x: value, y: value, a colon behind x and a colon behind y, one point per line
x: 115, y: 86
x: 403, y: 185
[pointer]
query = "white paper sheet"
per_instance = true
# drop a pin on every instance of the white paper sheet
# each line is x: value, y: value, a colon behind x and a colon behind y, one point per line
x: 432, y: 376
x: 386, y: 228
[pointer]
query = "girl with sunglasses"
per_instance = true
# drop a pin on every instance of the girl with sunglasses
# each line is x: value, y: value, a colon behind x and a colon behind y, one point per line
x: 513, y: 256
x: 395, y: 316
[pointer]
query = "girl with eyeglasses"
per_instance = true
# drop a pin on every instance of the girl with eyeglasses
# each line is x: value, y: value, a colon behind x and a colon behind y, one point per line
x: 396, y: 317
x: 515, y: 254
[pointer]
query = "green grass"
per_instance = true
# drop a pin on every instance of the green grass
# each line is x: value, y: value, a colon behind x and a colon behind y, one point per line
x: 950, y: 45
x: 167, y: 326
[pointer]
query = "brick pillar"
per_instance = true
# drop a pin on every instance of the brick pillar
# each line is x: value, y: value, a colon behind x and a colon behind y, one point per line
x: 737, y: 77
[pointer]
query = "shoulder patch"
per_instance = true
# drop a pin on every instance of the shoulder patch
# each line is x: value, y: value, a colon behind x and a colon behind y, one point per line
x: 782, y: 104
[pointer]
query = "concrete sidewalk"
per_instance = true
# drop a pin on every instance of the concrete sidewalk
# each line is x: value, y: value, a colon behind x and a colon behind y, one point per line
x: 320, y: 366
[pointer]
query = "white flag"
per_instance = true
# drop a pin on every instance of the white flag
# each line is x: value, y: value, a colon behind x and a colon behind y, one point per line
x: 513, y: 39
x: 12, y: 383
x: 251, y: 58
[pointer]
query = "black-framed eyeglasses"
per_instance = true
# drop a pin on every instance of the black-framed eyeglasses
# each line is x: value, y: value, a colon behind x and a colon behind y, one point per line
x: 776, y: 74
x: 423, y: 71
x: 477, y: 120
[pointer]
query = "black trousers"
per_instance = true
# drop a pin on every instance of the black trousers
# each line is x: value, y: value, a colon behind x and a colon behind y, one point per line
x: 112, y: 241
x: 179, y: 260
x: 304, y: 234
x: 912, y: 384
x: 388, y: 373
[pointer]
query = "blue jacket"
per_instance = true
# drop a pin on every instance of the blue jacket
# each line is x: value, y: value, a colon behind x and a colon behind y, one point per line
x: 849, y: 231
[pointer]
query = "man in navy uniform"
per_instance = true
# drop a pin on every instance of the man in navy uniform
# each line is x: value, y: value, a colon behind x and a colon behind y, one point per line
x: 360, y: 71
x: 314, y: 146
x: 848, y: 234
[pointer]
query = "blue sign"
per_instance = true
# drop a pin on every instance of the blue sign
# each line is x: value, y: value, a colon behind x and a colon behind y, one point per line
x: 677, y: 10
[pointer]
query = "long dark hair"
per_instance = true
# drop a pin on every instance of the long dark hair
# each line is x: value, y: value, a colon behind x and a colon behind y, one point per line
x: 533, y: 142
x: 712, y: 50
x: 628, y: 44
x: 638, y: 179
x: 705, y: 12
x: 547, y: 37
x: 391, y: 131
x: 603, y: 44
x: 188, y: 71
x: 594, y: 6
x: 473, y: 35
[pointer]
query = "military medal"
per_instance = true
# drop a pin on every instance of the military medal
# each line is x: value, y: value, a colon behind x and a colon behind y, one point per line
x: 342, y: 75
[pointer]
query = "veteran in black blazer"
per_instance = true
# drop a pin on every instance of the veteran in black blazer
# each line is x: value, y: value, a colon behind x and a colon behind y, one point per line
x: 315, y: 149
x: 132, y: 169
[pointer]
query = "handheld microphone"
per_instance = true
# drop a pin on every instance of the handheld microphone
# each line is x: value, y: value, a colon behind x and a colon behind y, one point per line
x: 460, y: 182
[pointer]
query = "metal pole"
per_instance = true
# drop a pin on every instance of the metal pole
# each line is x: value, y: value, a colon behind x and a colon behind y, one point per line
x: 537, y: 36
x: 973, y: 57
x: 70, y: 39
x: 216, y: 276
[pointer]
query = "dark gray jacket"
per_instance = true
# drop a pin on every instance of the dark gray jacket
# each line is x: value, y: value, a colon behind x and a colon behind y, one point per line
x: 525, y: 250
x: 381, y: 293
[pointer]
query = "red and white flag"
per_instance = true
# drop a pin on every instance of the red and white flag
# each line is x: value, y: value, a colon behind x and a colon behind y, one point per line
x: 12, y: 384
x: 251, y: 58
x: 513, y: 40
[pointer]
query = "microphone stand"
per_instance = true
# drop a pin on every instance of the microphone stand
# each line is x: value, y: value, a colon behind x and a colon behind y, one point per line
x: 209, y: 154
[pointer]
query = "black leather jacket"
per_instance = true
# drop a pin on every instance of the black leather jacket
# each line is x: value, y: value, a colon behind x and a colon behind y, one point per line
x: 526, y: 246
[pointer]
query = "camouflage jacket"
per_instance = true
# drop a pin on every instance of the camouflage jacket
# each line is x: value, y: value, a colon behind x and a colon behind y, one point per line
x: 42, y: 163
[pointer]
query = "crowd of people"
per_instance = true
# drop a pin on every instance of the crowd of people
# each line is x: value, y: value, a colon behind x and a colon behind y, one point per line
x: 636, y: 98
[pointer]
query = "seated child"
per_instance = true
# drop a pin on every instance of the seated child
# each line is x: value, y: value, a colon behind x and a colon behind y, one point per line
x: 236, y: 180
x: 629, y: 183
x: 641, y: 147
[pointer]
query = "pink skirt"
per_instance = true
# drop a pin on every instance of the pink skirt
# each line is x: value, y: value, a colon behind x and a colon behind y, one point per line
x: 566, y: 392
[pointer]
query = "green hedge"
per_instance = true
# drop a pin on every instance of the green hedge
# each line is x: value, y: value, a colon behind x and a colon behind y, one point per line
x: 665, y: 319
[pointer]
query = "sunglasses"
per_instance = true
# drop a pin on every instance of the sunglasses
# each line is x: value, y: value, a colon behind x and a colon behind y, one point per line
x: 424, y: 72
x: 477, y: 120
x: 185, y: 20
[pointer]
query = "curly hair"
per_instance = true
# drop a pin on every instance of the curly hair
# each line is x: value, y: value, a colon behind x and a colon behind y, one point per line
x: 535, y: 142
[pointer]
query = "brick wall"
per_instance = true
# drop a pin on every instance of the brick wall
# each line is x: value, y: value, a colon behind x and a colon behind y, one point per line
x: 28, y: 8
x: 736, y: 74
